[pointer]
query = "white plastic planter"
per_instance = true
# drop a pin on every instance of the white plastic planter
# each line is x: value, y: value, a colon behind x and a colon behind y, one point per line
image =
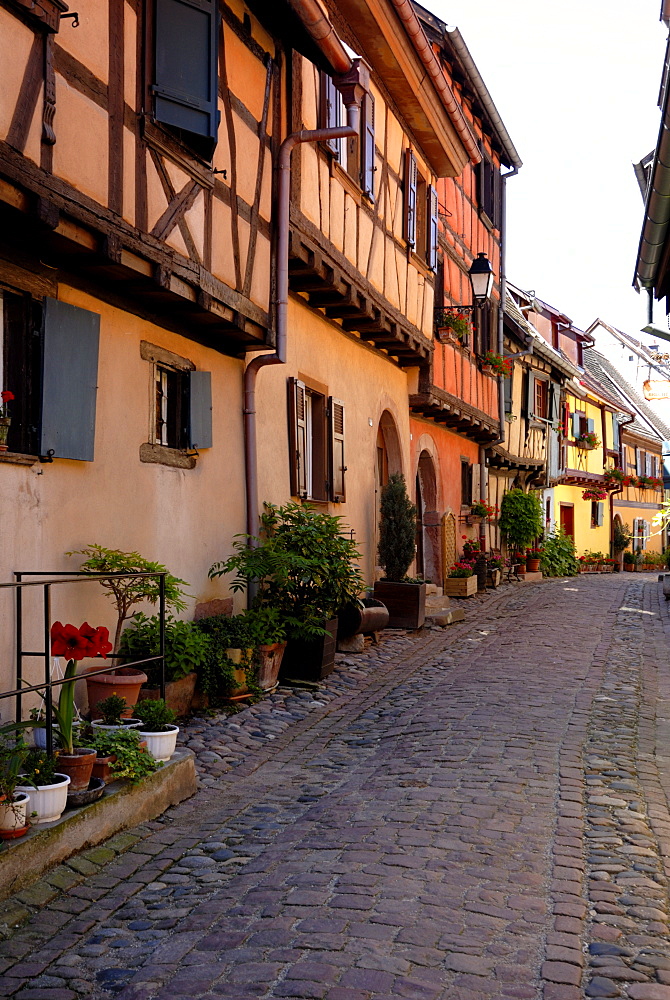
x: 47, y: 802
x: 13, y: 814
x: 126, y: 724
x: 161, y: 746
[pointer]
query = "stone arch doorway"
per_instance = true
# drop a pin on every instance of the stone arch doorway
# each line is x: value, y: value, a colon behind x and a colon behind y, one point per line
x: 428, y: 547
x: 388, y: 460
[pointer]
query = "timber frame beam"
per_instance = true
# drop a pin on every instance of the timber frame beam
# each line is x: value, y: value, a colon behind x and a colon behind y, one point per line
x: 47, y: 218
x: 455, y: 414
x: 331, y: 283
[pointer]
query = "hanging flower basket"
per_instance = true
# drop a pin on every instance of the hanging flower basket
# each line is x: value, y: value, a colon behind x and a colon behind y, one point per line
x: 496, y: 364
x: 594, y: 494
x: 587, y: 440
x: 453, y: 327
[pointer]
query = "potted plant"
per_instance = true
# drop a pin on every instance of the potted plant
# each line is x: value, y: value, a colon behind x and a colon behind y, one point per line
x: 520, y: 522
x: 271, y: 633
x: 461, y: 581
x: 76, y: 644
x: 304, y: 567
x: 404, y: 598
x: 496, y: 364
x: 13, y: 803
x: 628, y: 562
x: 587, y: 440
x: 112, y: 715
x: 229, y: 672
x: 533, y: 557
x: 5, y: 419
x: 122, y: 755
x: 186, y: 649
x: 126, y: 591
x: 484, y: 510
x: 158, y: 728
x: 453, y: 326
x: 494, y: 568
x: 46, y: 787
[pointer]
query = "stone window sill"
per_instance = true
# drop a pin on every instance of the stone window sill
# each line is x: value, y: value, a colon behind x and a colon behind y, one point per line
x: 158, y: 454
x: 12, y: 458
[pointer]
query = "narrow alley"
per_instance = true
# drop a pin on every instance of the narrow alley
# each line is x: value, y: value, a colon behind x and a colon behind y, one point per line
x: 470, y: 813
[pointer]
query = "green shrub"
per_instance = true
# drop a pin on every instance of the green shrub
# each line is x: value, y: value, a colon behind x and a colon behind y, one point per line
x: 155, y: 715
x: 520, y: 519
x: 111, y: 709
x: 558, y: 555
x: 186, y: 647
x: 217, y: 676
x: 132, y: 761
x: 397, y: 529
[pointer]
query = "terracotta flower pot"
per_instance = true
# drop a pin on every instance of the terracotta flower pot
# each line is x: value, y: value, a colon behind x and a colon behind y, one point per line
x: 78, y: 766
x: 178, y: 694
x: 532, y: 565
x: 124, y: 681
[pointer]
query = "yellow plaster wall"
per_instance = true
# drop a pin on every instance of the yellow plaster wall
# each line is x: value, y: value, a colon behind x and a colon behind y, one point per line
x: 367, y: 383
x: 586, y: 537
x: 184, y: 518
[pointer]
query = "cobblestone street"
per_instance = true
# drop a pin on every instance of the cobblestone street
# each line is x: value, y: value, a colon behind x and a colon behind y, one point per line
x: 470, y: 813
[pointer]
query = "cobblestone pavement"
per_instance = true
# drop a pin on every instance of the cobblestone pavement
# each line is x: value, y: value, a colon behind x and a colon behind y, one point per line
x: 473, y: 813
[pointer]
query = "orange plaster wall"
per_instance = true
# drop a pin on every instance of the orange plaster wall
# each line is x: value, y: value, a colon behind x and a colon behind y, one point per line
x: 446, y: 449
x: 455, y: 371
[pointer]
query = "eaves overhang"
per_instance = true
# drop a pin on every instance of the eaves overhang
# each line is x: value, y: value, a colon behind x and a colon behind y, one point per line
x: 654, y: 234
x: 396, y: 47
x: 444, y: 408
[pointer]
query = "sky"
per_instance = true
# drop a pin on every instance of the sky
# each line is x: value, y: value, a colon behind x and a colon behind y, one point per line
x: 576, y: 83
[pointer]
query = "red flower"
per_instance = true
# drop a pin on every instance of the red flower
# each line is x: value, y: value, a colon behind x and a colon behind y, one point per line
x: 76, y: 643
x: 7, y: 396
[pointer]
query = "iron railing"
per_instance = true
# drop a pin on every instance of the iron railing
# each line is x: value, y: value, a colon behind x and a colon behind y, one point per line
x: 45, y: 687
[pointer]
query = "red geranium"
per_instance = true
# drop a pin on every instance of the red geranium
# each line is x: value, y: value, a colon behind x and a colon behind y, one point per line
x: 7, y: 396
x: 76, y: 643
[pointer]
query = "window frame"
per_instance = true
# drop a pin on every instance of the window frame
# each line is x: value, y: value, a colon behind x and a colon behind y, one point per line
x: 317, y: 441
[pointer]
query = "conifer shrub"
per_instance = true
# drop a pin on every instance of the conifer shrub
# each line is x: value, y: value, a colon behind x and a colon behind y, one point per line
x: 397, y: 529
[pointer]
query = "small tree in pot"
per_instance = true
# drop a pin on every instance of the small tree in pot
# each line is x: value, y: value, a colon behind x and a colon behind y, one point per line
x: 404, y: 598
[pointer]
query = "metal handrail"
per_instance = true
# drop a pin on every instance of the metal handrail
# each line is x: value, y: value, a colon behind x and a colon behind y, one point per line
x: 47, y: 685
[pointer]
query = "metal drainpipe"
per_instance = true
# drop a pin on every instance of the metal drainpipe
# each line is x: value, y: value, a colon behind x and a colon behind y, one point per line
x: 278, y: 357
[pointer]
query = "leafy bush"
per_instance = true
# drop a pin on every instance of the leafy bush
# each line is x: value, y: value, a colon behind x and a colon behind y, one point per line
x: 128, y: 590
x: 558, y: 555
x: 520, y: 519
x: 111, y: 709
x: 621, y: 536
x: 397, y: 529
x: 186, y: 647
x: 133, y: 762
x: 155, y: 715
x: 217, y: 677
x: 304, y: 566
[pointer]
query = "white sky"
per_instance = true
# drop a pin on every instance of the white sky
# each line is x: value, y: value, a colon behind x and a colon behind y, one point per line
x: 576, y: 83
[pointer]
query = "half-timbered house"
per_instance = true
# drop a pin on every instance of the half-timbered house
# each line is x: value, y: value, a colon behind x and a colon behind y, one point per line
x: 148, y: 251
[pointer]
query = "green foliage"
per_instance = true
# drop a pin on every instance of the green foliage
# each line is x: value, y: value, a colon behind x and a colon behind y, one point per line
x: 155, y: 715
x: 628, y: 558
x: 111, y: 708
x: 13, y: 753
x: 217, y: 678
x: 558, y: 555
x: 186, y: 647
x: 520, y: 517
x: 133, y: 762
x: 39, y: 769
x: 621, y: 536
x: 268, y: 625
x: 303, y: 565
x: 397, y: 529
x: 127, y: 591
x: 64, y: 711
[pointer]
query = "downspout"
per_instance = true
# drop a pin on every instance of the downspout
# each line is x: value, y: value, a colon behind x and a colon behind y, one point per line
x: 352, y: 92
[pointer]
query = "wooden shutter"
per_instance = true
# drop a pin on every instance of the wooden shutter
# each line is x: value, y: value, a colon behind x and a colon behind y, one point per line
x: 639, y: 462
x: 186, y: 67
x: 432, y: 228
x: 298, y: 437
x: 368, y: 148
x: 337, y: 467
x: 411, y: 180
x: 508, y: 392
x: 200, y: 409
x: 616, y: 436
x: 69, y: 381
x: 590, y: 425
x: 329, y: 110
x: 554, y: 403
x: 647, y: 464
x: 497, y: 199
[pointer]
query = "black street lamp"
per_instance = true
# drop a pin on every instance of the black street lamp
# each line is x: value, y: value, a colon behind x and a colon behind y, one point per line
x: 481, y: 279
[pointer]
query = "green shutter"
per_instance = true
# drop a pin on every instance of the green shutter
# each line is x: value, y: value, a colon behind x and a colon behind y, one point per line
x: 69, y: 381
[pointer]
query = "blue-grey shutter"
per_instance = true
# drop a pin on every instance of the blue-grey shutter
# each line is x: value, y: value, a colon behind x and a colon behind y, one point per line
x: 590, y: 425
x: 666, y: 465
x: 554, y: 403
x: 600, y: 513
x: 186, y: 70
x: 411, y: 178
x: 616, y: 435
x: 69, y: 381
x: 530, y: 395
x: 433, y: 228
x: 200, y: 410
x: 576, y: 424
x: 368, y: 165
x: 330, y: 99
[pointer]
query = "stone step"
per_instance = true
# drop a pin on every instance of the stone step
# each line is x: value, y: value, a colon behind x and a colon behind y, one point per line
x: 529, y: 578
x: 437, y: 601
x: 432, y: 590
x: 446, y: 617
